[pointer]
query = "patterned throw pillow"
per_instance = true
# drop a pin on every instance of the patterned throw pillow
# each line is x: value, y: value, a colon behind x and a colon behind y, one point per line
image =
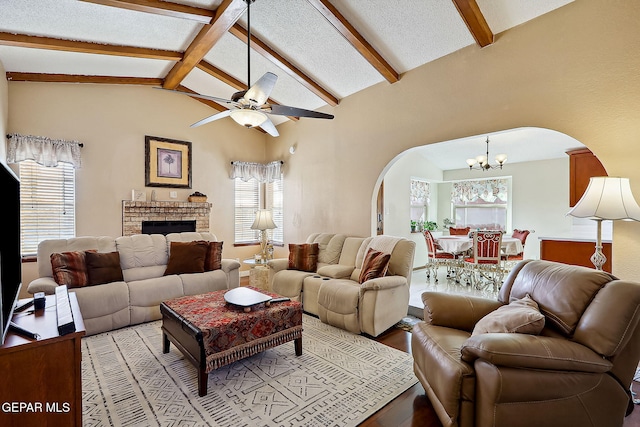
x: 213, y: 259
x: 103, y: 267
x: 186, y: 257
x: 375, y: 265
x: 70, y: 268
x: 303, y: 257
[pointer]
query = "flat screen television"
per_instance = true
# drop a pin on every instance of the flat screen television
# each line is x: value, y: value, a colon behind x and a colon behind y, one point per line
x: 10, y: 257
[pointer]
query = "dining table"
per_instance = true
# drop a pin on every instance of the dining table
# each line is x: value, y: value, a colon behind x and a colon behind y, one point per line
x: 457, y: 245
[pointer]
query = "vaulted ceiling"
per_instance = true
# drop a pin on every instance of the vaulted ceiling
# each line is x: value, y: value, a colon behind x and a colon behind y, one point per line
x: 321, y: 50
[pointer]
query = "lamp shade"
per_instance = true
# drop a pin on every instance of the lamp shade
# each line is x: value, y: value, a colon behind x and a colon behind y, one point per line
x: 263, y: 221
x: 607, y: 198
x: 248, y: 117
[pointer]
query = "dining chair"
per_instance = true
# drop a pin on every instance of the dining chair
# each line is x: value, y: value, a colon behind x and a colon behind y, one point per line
x: 510, y: 260
x: 437, y: 257
x: 485, y: 262
x: 453, y: 231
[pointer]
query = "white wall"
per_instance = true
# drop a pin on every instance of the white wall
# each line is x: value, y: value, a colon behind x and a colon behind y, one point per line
x: 4, y: 112
x: 396, y: 198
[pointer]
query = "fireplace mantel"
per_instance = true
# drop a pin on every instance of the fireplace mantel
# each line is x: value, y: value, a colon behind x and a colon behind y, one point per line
x: 133, y: 213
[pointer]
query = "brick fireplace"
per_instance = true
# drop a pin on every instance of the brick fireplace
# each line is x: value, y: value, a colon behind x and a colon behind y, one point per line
x: 134, y: 213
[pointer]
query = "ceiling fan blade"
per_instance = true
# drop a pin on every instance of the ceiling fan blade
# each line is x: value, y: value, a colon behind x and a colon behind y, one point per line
x: 212, y: 118
x: 269, y: 128
x: 260, y: 91
x: 197, y: 95
x: 284, y: 110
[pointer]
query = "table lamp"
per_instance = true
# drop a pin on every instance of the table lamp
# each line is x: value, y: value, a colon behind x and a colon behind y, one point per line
x: 263, y: 222
x: 606, y: 198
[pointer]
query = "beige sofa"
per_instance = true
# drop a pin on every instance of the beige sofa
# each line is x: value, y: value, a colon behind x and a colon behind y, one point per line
x: 143, y: 259
x: 333, y: 291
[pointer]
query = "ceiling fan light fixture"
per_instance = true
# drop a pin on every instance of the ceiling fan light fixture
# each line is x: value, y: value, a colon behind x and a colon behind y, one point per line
x: 248, y: 118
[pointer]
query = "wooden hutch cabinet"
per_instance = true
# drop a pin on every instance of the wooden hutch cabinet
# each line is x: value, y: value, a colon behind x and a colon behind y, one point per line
x: 583, y: 164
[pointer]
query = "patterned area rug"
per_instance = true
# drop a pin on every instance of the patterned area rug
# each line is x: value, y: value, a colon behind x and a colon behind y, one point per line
x: 339, y: 380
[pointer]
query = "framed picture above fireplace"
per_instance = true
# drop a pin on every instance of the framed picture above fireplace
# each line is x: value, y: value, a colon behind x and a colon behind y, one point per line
x: 167, y: 162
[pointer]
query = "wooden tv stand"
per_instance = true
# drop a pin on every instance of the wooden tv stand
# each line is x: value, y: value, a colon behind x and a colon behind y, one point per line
x: 41, y: 380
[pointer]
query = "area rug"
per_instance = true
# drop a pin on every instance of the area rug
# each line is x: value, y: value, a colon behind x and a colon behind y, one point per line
x: 339, y: 380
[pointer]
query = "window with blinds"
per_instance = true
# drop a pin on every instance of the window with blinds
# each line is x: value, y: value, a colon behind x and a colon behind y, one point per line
x: 47, y: 204
x: 275, y: 202
x: 251, y: 196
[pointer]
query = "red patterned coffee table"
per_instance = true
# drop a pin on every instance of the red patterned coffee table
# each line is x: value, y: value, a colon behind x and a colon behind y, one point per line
x: 211, y: 333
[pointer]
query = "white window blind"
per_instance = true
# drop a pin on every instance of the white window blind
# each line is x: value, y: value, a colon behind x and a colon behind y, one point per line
x: 251, y: 196
x: 275, y: 202
x: 47, y: 204
x: 247, y: 202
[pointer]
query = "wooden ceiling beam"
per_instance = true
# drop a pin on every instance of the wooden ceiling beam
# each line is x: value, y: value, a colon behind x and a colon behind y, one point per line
x: 75, y: 78
x: 22, y: 40
x: 273, y: 56
x: 158, y: 7
x: 356, y: 39
x: 473, y: 17
x: 195, y: 13
x: 226, y: 16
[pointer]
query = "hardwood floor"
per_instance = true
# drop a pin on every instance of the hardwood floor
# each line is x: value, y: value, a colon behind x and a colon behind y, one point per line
x: 412, y: 408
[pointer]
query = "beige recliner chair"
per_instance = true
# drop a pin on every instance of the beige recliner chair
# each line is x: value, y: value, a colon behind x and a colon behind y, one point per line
x: 333, y: 292
x: 576, y: 372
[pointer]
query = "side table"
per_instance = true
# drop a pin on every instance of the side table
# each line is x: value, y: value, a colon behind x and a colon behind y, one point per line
x: 259, y: 275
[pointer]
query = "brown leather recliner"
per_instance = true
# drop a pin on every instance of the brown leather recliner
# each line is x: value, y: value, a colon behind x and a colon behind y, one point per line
x: 577, y: 372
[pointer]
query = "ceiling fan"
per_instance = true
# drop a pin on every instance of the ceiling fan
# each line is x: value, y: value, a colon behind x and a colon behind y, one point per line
x: 249, y: 107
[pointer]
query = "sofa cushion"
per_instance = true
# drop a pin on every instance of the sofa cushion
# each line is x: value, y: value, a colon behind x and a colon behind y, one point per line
x: 186, y: 257
x: 70, y: 268
x: 520, y: 316
x: 336, y: 271
x: 375, y: 265
x: 213, y: 258
x: 103, y: 267
x: 303, y: 257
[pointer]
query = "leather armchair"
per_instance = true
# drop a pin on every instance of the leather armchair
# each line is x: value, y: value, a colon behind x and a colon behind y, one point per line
x: 576, y: 372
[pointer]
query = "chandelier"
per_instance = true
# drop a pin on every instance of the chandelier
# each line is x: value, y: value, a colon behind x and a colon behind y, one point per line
x: 482, y: 162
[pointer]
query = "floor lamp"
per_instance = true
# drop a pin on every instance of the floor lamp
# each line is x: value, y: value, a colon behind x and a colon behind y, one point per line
x: 263, y: 222
x: 606, y: 198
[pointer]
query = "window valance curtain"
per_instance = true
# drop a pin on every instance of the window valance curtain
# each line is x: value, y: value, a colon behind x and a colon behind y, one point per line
x: 45, y: 151
x: 488, y: 191
x: 262, y: 172
x: 420, y: 193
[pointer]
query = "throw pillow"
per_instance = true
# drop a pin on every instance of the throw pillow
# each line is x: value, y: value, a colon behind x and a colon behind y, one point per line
x: 303, y: 257
x: 70, y: 268
x: 213, y: 259
x: 520, y: 316
x: 375, y: 265
x: 103, y: 267
x: 186, y: 257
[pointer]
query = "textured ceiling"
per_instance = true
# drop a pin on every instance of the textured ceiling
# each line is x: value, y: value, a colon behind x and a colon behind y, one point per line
x: 405, y: 33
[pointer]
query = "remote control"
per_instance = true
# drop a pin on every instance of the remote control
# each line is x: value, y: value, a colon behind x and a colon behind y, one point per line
x: 24, y: 306
x: 282, y: 299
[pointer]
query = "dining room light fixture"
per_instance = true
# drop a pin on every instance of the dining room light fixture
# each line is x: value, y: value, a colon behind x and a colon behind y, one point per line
x: 482, y: 162
x: 606, y: 198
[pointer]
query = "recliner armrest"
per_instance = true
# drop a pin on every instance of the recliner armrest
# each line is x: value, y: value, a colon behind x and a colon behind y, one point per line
x: 533, y: 351
x: 336, y: 271
x: 456, y: 311
x: 42, y: 284
x: 386, y: 282
x: 229, y: 264
x: 278, y: 264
